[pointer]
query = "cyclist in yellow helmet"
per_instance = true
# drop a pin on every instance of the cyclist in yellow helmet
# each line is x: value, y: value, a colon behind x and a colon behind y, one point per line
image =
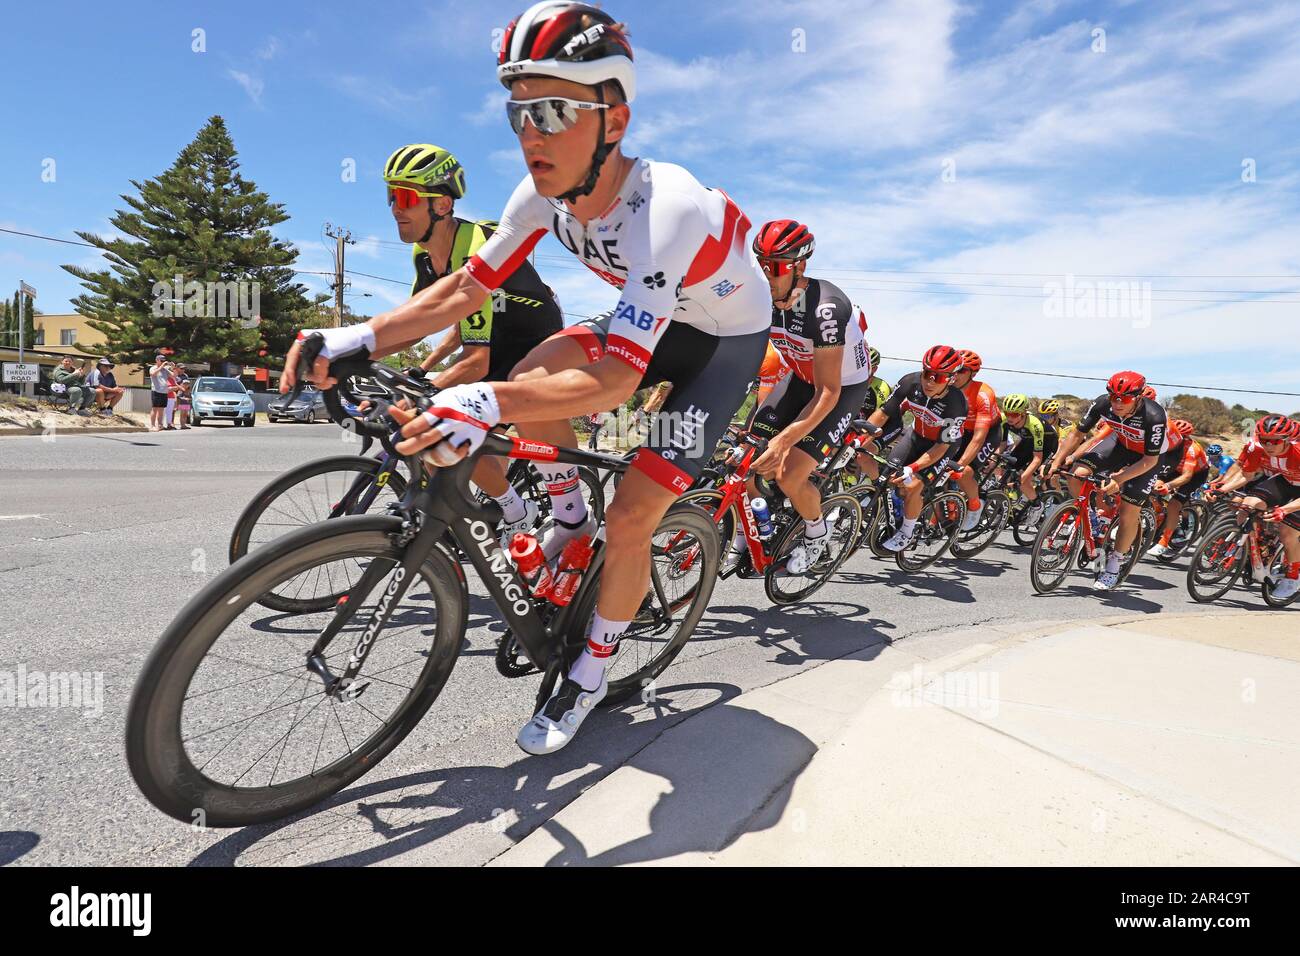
x: 424, y: 181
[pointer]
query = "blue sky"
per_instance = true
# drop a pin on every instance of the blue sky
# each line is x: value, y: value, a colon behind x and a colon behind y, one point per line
x: 999, y: 145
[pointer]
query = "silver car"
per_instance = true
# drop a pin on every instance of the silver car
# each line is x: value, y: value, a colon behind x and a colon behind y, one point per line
x: 307, y: 407
x: 215, y: 398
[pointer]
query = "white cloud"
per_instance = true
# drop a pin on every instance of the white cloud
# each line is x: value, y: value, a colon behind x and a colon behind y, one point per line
x: 252, y: 85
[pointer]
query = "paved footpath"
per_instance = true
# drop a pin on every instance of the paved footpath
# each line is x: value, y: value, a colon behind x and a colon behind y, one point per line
x: 1160, y: 740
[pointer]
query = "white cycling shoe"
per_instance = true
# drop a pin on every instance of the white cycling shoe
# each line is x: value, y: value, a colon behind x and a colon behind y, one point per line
x: 807, y: 554
x: 1285, y: 588
x: 1034, y: 515
x: 1160, y: 551
x: 559, y: 719
x: 524, y: 525
x: 1108, y: 578
x: 972, y: 518
x: 899, y: 541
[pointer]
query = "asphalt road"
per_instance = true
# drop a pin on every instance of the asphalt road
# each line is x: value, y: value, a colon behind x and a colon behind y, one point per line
x: 103, y: 538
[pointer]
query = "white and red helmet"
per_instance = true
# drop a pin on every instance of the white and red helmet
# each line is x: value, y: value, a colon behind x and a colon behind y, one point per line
x: 569, y: 41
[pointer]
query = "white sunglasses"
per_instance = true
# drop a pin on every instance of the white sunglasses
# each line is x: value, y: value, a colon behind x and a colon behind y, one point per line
x: 549, y: 114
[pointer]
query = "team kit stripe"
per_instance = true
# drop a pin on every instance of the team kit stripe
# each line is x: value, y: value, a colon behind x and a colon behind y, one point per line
x: 661, y: 472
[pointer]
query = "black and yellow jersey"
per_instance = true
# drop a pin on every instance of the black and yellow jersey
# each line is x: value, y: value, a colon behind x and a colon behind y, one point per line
x: 877, y: 394
x: 1033, y: 436
x: 522, y: 312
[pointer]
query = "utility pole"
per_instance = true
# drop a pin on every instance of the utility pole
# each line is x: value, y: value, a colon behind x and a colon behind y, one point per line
x: 343, y: 239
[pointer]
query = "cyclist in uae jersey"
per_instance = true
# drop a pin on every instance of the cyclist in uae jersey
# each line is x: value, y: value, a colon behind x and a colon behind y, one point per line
x: 1183, y: 471
x: 423, y: 183
x: 981, y: 434
x: 1026, y: 438
x: 1130, y: 454
x: 938, y: 409
x: 1270, y: 478
x: 819, y: 334
x: 694, y: 311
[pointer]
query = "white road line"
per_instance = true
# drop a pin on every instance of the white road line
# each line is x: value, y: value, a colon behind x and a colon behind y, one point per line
x: 20, y: 517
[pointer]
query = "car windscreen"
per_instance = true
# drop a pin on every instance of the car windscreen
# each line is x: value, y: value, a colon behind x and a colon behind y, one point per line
x: 220, y: 385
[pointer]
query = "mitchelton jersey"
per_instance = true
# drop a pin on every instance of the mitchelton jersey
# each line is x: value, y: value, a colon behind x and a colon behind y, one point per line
x: 938, y: 419
x: 1144, y: 430
x: 677, y: 249
x: 822, y: 317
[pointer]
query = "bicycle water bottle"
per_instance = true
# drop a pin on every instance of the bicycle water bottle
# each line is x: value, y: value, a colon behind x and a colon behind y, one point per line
x: 527, y: 555
x: 762, y: 516
x: 568, y: 575
x: 897, y: 499
x: 1098, y: 526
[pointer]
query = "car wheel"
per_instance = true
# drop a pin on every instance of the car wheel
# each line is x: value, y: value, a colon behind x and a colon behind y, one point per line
x: 311, y: 417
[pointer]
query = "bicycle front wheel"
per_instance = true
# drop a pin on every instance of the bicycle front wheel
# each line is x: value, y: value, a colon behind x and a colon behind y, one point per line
x: 1217, y: 562
x: 317, y: 491
x: 993, y: 518
x: 936, y: 528
x: 1054, y: 548
x: 227, y: 726
x: 843, y: 517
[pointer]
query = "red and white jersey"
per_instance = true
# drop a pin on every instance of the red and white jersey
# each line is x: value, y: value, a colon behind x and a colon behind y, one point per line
x: 1287, y: 466
x: 678, y: 250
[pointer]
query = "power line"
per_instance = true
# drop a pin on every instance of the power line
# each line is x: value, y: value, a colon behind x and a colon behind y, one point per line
x: 1096, y: 378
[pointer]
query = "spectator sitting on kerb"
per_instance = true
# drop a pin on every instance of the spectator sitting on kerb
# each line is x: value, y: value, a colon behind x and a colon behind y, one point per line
x: 73, y: 381
x: 107, y: 392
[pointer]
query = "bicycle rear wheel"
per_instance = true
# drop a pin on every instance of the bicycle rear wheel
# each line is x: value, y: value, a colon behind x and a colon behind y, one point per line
x: 1217, y: 562
x: 1025, y: 533
x: 678, y: 597
x: 1277, y: 564
x: 227, y: 726
x: 993, y: 518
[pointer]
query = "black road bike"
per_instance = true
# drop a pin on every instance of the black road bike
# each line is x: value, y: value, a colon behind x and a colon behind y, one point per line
x: 242, y: 714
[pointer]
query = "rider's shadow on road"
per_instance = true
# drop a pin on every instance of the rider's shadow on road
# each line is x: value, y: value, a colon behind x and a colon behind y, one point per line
x: 816, y: 631
x: 386, y: 819
x: 944, y: 584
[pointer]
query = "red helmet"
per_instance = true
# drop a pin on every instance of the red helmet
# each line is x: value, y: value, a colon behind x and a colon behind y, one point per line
x: 971, y: 361
x: 1182, y: 427
x: 1148, y: 392
x: 1273, y: 428
x: 942, y: 360
x: 1295, y: 428
x: 784, y: 239
x: 1126, y: 385
x: 569, y: 41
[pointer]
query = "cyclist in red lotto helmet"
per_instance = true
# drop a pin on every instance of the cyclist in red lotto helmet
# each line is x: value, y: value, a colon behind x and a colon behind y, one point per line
x: 938, y: 409
x: 1130, y: 454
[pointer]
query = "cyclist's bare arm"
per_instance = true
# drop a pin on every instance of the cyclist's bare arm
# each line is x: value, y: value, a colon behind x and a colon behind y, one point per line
x: 472, y: 366
x: 1067, y: 447
x: 449, y: 344
x: 440, y: 306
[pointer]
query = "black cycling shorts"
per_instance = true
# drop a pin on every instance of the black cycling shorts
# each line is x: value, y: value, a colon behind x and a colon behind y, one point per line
x: 1109, y: 455
x: 991, y: 442
x: 504, y: 358
x: 828, y: 433
x: 1275, y: 491
x: 1184, y: 493
x: 710, y: 376
x: 911, y: 446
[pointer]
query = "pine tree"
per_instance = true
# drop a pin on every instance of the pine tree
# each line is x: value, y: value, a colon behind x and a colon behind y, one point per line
x: 9, y: 323
x: 200, y: 267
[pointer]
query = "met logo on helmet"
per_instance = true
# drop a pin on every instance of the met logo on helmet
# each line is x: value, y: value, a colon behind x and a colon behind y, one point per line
x: 589, y: 35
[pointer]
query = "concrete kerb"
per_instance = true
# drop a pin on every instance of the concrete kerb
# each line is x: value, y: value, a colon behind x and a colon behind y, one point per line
x: 68, y: 432
x: 598, y: 821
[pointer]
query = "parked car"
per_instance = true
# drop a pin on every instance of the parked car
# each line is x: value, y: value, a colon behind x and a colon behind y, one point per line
x: 214, y: 398
x: 307, y: 407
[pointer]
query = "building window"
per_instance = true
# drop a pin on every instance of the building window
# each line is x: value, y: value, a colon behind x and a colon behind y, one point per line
x: 40, y: 337
x: 67, y: 336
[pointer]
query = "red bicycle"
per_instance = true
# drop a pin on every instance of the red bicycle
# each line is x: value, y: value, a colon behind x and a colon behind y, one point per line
x: 767, y: 555
x: 1242, y: 545
x: 1078, y: 532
